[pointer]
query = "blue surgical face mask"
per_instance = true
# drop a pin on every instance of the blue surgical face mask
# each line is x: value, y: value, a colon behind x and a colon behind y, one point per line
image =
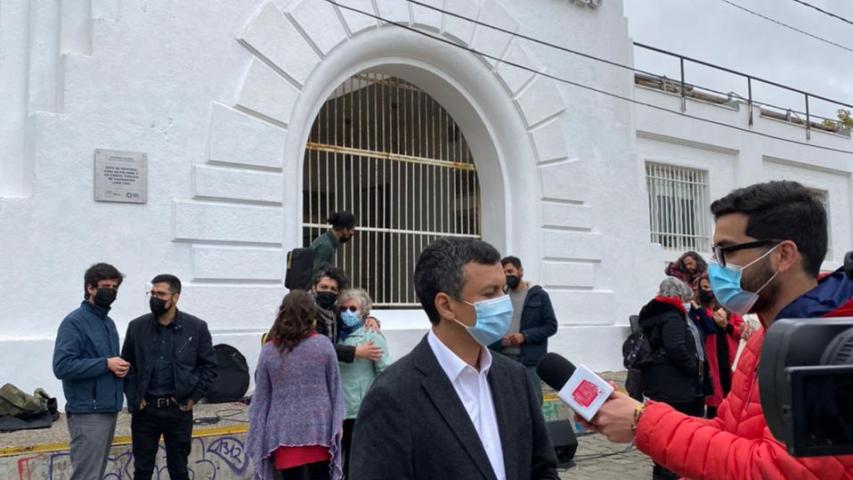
x: 350, y: 318
x: 725, y: 282
x: 493, y: 318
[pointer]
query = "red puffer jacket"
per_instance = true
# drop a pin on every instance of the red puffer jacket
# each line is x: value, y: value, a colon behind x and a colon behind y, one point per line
x: 737, y: 444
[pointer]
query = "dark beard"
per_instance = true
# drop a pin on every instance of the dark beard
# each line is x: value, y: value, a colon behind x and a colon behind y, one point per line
x: 752, y: 284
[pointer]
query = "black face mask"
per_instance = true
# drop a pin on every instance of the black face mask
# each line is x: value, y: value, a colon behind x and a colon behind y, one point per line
x: 512, y: 281
x: 158, y: 306
x: 346, y: 239
x: 105, y: 297
x: 326, y: 300
x: 706, y: 296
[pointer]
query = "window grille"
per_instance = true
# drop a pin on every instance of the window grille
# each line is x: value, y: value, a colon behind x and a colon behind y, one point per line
x: 678, y: 207
x: 384, y: 150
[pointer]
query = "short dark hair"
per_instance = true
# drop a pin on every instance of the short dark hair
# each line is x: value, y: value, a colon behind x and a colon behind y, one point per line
x: 439, y: 268
x: 332, y: 272
x: 515, y: 261
x: 173, y: 281
x: 781, y: 210
x: 342, y: 220
x: 98, y: 272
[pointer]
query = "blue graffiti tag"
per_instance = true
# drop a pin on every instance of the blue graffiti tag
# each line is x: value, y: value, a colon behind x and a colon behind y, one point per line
x: 231, y: 451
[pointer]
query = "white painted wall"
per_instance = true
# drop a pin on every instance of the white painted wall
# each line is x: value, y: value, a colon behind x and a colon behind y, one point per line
x: 221, y: 95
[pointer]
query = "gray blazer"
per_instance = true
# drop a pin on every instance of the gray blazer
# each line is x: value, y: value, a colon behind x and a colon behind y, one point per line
x: 412, y: 425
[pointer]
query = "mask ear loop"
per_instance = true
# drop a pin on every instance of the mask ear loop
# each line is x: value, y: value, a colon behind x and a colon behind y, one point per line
x: 771, y: 277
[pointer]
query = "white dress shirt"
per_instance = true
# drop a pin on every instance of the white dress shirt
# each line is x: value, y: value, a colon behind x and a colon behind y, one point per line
x: 473, y: 390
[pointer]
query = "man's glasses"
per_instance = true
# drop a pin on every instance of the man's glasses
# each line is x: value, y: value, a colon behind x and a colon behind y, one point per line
x: 351, y: 309
x: 720, y: 252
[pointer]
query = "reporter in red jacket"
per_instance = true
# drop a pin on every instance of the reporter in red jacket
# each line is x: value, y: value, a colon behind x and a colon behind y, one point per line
x: 769, y: 242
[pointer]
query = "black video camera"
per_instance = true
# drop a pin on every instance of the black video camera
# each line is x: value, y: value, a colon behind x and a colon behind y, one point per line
x: 806, y: 383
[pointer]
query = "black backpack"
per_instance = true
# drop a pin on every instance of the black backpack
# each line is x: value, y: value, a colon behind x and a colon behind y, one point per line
x: 232, y: 375
x: 300, y: 266
x: 637, y: 352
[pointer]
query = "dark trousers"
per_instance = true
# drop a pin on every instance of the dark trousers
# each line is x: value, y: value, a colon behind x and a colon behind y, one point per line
x: 695, y: 408
x: 146, y: 427
x: 346, y: 442
x: 312, y: 471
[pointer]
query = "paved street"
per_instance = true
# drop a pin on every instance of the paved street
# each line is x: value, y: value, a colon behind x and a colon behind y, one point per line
x: 590, y: 464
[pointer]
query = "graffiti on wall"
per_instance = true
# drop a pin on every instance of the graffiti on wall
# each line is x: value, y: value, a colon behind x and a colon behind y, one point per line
x: 212, y: 458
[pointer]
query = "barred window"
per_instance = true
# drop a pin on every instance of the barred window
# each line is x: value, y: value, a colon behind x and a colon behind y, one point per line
x: 678, y: 207
x: 384, y: 150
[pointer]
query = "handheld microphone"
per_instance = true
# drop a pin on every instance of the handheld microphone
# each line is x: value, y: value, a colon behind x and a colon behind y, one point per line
x: 579, y: 387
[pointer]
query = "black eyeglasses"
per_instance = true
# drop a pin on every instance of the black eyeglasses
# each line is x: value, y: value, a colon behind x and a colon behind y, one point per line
x: 351, y: 309
x: 720, y: 252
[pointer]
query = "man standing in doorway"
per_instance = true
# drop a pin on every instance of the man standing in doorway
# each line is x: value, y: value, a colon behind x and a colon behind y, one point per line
x: 533, y: 321
x: 86, y: 359
x: 173, y: 365
x: 325, y: 246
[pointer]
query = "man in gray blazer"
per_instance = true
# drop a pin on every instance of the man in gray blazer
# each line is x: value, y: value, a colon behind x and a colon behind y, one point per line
x: 449, y: 409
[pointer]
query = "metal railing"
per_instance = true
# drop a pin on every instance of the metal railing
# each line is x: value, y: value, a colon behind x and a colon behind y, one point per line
x: 687, y: 90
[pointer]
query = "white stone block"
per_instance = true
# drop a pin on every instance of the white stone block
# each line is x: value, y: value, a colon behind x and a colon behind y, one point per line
x: 246, y: 306
x: 394, y: 11
x: 567, y: 180
x: 513, y: 77
x: 458, y: 28
x: 271, y: 35
x: 540, y: 100
x: 549, y: 141
x: 236, y: 137
x: 570, y: 245
x: 427, y: 17
x: 583, y: 307
x: 268, y: 93
x: 236, y: 263
x: 568, y: 274
x: 238, y: 184
x: 356, y: 21
x: 229, y: 223
x: 488, y: 40
x: 317, y: 18
x: 565, y: 215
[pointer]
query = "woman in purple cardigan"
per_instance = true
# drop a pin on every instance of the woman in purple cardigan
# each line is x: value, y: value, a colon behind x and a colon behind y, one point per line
x: 297, y: 410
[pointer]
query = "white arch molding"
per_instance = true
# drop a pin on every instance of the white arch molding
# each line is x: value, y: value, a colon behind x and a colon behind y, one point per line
x: 510, y: 118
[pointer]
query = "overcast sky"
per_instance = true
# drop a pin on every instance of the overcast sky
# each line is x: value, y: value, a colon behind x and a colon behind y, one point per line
x: 719, y: 33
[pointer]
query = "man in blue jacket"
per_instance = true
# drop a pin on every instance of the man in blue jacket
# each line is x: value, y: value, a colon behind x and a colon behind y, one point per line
x: 533, y: 321
x: 86, y: 359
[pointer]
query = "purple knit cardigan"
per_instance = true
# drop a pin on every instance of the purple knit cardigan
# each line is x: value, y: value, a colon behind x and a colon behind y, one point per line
x: 298, y: 401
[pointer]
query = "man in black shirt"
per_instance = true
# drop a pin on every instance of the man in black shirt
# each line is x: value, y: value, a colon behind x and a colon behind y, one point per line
x: 173, y: 364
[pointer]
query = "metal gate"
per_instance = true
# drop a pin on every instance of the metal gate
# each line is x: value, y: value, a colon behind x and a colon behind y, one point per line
x: 384, y: 150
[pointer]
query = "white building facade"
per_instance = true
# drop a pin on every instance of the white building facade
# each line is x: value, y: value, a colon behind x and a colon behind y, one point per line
x: 222, y: 97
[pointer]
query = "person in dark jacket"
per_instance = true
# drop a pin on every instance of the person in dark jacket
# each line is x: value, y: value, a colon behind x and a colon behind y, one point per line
x: 676, y: 374
x: 173, y: 365
x: 533, y: 321
x: 325, y: 246
x: 326, y: 283
x: 86, y: 359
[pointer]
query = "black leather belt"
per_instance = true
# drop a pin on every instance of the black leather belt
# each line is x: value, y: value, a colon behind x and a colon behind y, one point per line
x: 161, y: 402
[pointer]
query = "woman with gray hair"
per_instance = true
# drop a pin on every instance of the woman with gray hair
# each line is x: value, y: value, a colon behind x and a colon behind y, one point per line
x: 354, y: 309
x: 675, y: 376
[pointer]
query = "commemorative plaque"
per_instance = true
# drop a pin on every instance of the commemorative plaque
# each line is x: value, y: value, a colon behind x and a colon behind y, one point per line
x: 121, y: 176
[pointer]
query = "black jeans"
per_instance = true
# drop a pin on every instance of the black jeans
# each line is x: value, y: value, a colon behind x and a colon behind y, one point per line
x: 346, y: 443
x: 695, y: 408
x: 146, y: 427
x: 311, y: 471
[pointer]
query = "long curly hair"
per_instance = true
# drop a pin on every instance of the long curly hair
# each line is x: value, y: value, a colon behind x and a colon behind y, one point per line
x: 295, y: 320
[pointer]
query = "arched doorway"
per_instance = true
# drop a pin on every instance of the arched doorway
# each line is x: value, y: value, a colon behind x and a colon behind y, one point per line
x: 385, y: 150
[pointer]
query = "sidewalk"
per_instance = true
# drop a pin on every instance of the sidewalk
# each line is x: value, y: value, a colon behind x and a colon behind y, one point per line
x: 617, y: 465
